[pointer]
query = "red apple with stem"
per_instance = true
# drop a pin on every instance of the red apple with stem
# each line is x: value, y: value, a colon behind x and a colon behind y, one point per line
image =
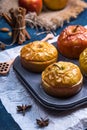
x: 32, y: 5
x: 72, y: 41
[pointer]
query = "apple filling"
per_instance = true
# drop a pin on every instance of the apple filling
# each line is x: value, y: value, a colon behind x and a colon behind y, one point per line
x: 62, y: 79
x: 37, y: 55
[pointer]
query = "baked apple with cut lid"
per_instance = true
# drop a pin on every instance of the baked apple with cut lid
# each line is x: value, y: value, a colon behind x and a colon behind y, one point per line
x: 72, y: 41
x: 62, y: 79
x: 37, y: 55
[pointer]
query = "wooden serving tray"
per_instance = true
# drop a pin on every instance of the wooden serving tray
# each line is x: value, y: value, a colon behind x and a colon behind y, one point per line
x: 32, y: 81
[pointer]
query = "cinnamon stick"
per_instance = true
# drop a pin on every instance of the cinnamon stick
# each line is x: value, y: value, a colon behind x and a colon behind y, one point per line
x: 17, y: 21
x: 8, y: 19
x: 27, y: 35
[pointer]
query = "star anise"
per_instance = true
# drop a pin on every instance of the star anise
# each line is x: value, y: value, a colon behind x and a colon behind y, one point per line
x: 42, y: 122
x: 23, y: 108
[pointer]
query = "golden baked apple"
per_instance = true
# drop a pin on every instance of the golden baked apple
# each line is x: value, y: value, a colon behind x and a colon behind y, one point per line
x: 55, y: 4
x: 62, y: 79
x: 83, y: 62
x: 37, y: 55
x: 72, y: 41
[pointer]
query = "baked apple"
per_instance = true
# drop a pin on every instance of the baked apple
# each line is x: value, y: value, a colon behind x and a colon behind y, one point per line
x: 37, y: 55
x: 55, y: 4
x: 72, y: 41
x: 83, y: 62
x: 62, y: 79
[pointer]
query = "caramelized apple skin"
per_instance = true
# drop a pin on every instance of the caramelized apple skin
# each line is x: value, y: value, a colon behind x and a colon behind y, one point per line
x: 72, y: 41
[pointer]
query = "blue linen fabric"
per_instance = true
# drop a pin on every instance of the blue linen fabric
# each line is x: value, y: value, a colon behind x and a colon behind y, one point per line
x: 4, y: 37
x: 6, y: 120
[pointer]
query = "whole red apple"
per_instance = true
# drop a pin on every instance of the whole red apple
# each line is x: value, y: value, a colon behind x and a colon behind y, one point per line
x: 72, y: 41
x: 31, y: 5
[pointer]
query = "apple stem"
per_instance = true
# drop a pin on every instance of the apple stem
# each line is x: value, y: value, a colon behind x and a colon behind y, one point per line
x: 74, y: 30
x: 60, y: 68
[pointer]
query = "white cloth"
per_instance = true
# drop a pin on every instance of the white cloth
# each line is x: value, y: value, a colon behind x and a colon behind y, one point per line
x: 13, y: 93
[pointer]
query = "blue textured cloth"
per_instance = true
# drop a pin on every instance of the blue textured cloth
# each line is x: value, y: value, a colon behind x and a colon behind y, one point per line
x: 6, y: 120
x: 81, y: 19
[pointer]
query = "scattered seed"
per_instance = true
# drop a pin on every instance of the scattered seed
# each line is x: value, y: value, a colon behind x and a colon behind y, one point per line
x: 10, y: 33
x: 4, y: 29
